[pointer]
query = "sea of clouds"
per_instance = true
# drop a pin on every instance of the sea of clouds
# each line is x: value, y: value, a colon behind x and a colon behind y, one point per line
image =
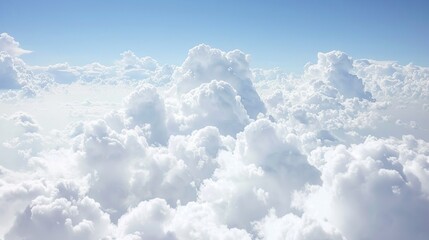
x: 213, y: 149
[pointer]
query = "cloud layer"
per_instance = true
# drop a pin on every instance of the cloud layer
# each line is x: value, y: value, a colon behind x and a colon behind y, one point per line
x: 213, y: 149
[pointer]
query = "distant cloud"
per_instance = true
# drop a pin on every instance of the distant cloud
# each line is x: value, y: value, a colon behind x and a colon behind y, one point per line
x: 10, y: 46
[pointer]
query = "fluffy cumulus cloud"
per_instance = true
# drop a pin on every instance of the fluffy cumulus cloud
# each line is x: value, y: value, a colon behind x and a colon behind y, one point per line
x: 65, y: 214
x: 333, y: 71
x: 214, y: 104
x: 8, y: 72
x: 379, y: 185
x: 10, y: 46
x: 213, y: 149
x: 145, y: 107
x: 129, y: 68
x: 205, y: 64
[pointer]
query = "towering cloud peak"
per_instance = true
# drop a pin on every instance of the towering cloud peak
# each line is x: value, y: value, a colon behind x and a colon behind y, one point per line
x: 215, y: 104
x: 145, y: 107
x: 8, y: 72
x: 10, y: 46
x: 205, y: 64
x: 336, y: 69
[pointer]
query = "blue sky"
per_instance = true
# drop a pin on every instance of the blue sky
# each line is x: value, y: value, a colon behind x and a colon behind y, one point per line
x: 284, y: 34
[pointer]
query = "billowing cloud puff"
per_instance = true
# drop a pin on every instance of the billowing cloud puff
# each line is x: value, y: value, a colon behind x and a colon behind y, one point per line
x: 108, y: 157
x: 26, y: 122
x: 61, y: 72
x: 20, y: 140
x: 214, y: 104
x: 293, y: 227
x: 149, y: 220
x: 65, y: 215
x: 205, y: 64
x: 15, y: 76
x: 329, y: 97
x: 16, y: 192
x: 199, y: 151
x: 387, y: 79
x: 8, y: 72
x: 334, y: 68
x: 261, y: 174
x: 131, y: 61
x: 10, y: 46
x: 146, y: 108
x: 378, y: 185
x: 155, y: 219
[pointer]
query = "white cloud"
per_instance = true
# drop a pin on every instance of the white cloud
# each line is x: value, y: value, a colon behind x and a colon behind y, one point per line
x: 333, y: 69
x: 198, y: 221
x: 149, y: 220
x: 16, y: 192
x: 8, y: 73
x: 26, y: 122
x: 261, y: 173
x: 20, y: 140
x: 108, y: 157
x: 199, y: 151
x: 129, y: 69
x: 18, y: 80
x: 379, y: 185
x: 64, y: 215
x: 145, y: 107
x: 213, y: 149
x: 10, y: 46
x: 214, y: 104
x: 292, y: 227
x: 205, y: 64
x: 155, y: 219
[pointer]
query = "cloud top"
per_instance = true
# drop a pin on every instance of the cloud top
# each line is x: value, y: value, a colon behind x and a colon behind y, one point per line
x: 10, y: 46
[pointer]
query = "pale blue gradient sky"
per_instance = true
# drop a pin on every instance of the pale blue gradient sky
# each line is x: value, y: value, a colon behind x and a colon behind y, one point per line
x: 284, y: 34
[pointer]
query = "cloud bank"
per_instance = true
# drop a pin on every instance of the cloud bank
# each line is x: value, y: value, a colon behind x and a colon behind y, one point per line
x: 213, y: 149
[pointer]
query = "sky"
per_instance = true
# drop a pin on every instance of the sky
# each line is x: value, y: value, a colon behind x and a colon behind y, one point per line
x: 285, y: 34
x: 244, y: 120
